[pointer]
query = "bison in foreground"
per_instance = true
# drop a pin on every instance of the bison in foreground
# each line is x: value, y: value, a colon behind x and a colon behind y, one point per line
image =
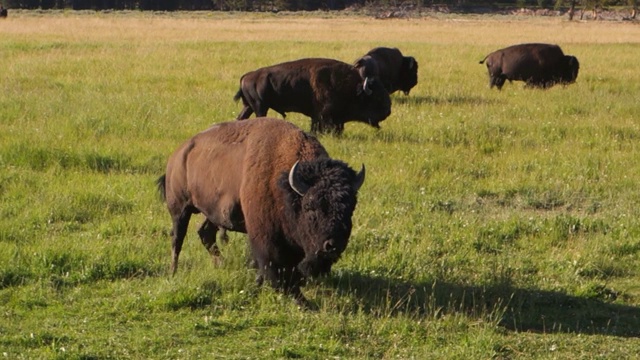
x: 272, y: 181
x: 329, y: 91
x: 538, y: 65
x: 396, y: 71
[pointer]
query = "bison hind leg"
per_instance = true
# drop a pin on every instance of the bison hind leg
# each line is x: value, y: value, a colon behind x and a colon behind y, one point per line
x: 245, y: 113
x: 497, y: 81
x: 179, y: 231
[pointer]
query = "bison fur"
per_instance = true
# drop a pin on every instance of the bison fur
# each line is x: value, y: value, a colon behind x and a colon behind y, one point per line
x: 272, y: 181
x: 396, y: 71
x: 538, y: 65
x: 329, y: 91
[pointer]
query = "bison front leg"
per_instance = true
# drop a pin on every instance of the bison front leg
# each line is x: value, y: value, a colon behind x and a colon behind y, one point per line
x: 326, y: 125
x: 315, y: 125
x: 286, y: 280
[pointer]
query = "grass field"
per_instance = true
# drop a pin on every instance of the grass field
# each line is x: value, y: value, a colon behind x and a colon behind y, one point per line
x: 492, y: 225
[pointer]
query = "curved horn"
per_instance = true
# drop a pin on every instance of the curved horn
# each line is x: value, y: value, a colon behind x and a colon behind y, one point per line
x: 295, y: 182
x: 359, y: 179
x: 365, y: 86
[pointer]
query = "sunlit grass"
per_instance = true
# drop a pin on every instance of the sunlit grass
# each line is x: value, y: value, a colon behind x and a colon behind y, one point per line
x: 491, y: 224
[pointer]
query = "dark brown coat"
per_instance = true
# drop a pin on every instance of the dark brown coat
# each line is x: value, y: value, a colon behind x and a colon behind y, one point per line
x: 329, y: 91
x: 538, y: 65
x: 396, y: 71
x: 241, y: 176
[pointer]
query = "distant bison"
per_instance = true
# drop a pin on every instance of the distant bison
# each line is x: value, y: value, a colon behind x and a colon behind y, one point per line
x: 272, y: 181
x: 538, y: 65
x: 329, y: 91
x: 3, y: 12
x: 397, y: 72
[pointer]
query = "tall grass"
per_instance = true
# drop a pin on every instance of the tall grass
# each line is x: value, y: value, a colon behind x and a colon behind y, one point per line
x: 491, y: 225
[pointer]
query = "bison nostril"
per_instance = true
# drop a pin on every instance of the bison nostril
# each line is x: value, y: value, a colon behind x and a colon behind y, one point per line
x: 328, y: 246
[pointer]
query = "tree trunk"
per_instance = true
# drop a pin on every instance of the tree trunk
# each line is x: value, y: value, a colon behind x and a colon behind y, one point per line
x: 572, y: 9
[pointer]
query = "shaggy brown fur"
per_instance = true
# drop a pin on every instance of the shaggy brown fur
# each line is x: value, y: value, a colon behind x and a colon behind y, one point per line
x: 236, y: 174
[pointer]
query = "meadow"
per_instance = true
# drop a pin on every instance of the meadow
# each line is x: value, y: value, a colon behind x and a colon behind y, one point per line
x: 491, y: 225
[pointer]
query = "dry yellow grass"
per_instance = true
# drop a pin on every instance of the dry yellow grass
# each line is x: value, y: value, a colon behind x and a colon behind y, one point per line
x: 251, y: 27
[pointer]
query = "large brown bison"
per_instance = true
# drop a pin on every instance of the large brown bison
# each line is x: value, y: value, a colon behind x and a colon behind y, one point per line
x: 272, y: 181
x: 538, y: 65
x: 329, y: 91
x: 396, y: 71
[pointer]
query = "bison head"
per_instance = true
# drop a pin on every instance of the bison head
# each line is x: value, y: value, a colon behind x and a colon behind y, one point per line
x: 321, y: 198
x: 408, y: 74
x: 570, y: 71
x: 372, y: 103
x: 367, y: 67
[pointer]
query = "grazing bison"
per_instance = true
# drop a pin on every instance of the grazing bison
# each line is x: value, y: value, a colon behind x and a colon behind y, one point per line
x: 329, y: 91
x: 3, y: 12
x: 538, y: 65
x: 397, y: 72
x: 272, y: 181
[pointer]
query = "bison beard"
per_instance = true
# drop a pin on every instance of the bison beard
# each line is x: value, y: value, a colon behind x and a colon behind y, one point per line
x: 270, y: 180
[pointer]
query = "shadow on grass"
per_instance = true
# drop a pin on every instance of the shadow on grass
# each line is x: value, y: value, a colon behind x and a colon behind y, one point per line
x: 512, y: 308
x: 444, y: 100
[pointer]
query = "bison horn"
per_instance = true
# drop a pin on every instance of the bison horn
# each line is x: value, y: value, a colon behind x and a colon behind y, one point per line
x: 295, y: 182
x: 365, y: 86
x: 359, y: 179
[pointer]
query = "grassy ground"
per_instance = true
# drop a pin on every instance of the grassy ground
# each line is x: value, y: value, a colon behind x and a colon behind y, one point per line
x: 491, y: 224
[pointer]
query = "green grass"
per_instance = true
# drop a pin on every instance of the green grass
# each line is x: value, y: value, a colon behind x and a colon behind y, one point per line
x: 491, y: 224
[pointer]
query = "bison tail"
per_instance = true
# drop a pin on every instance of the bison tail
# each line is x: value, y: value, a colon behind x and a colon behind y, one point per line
x: 482, y: 61
x: 238, y: 95
x: 161, y: 183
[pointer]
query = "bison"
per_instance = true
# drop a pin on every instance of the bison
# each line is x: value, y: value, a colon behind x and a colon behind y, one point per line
x: 538, y: 65
x: 272, y: 181
x: 329, y: 91
x: 397, y: 72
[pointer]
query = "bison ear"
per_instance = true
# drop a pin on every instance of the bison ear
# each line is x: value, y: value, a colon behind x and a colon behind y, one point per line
x: 296, y: 183
x: 359, y: 179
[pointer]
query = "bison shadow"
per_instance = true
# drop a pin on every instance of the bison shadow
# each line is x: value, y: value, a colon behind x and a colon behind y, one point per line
x: 513, y: 308
x: 444, y: 100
